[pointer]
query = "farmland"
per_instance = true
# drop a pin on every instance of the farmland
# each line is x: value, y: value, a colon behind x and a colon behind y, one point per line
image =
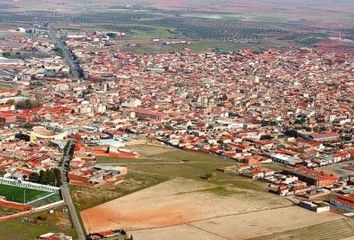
x: 248, y: 225
x: 333, y: 230
x: 318, y: 12
x: 224, y: 30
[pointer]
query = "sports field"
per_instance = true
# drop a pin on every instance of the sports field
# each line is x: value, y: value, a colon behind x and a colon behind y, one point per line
x: 17, y: 194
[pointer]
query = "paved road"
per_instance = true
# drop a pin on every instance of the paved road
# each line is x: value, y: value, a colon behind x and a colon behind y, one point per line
x: 75, y: 68
x: 68, y: 153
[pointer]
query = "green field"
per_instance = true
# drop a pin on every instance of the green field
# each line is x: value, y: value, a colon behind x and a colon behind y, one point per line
x: 17, y: 194
x: 203, y: 45
x: 162, y: 162
x: 156, y: 32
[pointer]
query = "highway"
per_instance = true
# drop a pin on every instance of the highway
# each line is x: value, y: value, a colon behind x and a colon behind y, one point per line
x: 75, y: 69
x: 67, y: 156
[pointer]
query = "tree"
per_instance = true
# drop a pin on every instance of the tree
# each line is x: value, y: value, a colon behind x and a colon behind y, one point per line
x: 49, y: 177
x: 266, y: 137
x: 6, y: 54
x: 291, y: 133
x: 27, y: 104
x: 112, y: 35
x: 34, y: 177
x: 57, y: 174
x: 42, y: 177
x: 11, y: 101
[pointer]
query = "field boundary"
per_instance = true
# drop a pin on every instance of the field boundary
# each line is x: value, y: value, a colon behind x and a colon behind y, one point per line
x: 33, y: 210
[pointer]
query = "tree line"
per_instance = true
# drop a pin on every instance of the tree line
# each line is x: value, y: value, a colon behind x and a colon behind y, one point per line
x: 49, y: 177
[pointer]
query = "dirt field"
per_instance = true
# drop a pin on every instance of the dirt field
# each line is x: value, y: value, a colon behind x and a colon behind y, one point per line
x: 151, y: 149
x: 182, y: 209
x: 342, y: 229
x: 186, y: 207
x: 175, y: 202
x: 239, y: 226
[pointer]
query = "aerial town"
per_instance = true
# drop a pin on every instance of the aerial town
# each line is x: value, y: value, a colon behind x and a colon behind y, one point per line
x: 101, y: 142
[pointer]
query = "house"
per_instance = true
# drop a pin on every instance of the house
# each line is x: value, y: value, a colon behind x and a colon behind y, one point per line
x: 317, y: 207
x: 285, y: 159
x: 54, y: 236
x: 313, y: 177
x: 321, y: 137
x: 345, y: 202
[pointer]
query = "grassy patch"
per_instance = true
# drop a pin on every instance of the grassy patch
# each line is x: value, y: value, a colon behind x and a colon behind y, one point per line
x: 222, y: 191
x: 204, y: 45
x: 172, y: 163
x: 156, y: 32
x: 237, y: 181
x: 7, y: 211
x: 38, y: 224
x: 177, y: 163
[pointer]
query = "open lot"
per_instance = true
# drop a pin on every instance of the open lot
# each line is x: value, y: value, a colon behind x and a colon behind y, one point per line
x: 159, y: 163
x: 174, y: 202
x: 86, y: 198
x: 185, y: 205
x: 244, y: 226
x: 180, y: 206
x: 162, y: 162
x: 333, y: 230
x: 152, y: 150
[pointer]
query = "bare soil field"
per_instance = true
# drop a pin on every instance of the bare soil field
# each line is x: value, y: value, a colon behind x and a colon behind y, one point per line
x: 174, y: 202
x: 342, y: 229
x: 240, y: 226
